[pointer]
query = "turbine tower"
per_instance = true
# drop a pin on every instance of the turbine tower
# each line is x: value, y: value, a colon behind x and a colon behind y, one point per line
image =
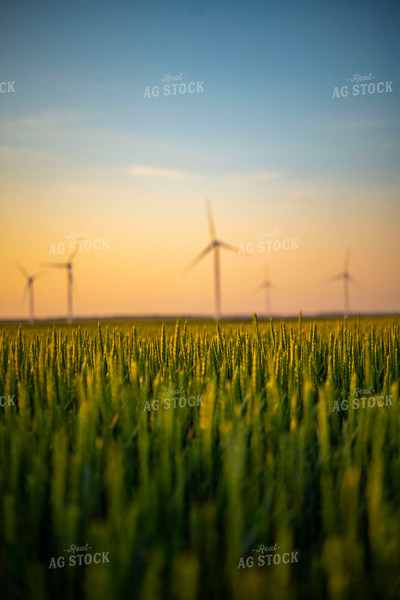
x: 68, y: 266
x: 214, y: 246
x: 347, y: 279
x: 29, y: 289
x: 267, y: 285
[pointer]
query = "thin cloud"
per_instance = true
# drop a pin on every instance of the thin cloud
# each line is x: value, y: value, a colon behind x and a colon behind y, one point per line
x: 235, y: 178
x: 253, y: 177
x: 147, y: 171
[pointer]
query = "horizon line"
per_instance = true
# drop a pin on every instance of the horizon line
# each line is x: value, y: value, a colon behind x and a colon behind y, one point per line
x: 201, y: 317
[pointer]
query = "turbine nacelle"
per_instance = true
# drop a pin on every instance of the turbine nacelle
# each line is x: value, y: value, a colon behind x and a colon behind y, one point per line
x: 68, y: 266
x: 213, y: 246
x: 267, y: 284
x: 29, y: 288
x: 347, y: 278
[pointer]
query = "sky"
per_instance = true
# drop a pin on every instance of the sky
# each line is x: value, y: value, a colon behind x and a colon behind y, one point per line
x: 268, y: 135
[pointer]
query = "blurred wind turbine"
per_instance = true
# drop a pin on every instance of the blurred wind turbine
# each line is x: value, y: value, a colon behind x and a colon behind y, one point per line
x: 347, y: 278
x: 214, y: 246
x: 267, y: 284
x: 68, y: 266
x: 29, y: 288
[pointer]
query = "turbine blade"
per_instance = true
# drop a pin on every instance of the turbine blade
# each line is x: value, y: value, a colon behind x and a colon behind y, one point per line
x: 229, y: 247
x: 258, y: 287
x: 38, y: 274
x: 198, y: 258
x: 355, y: 282
x: 334, y: 278
x: 55, y: 265
x: 21, y: 269
x: 210, y: 220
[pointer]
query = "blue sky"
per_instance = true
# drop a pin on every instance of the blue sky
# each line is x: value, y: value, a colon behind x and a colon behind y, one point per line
x: 269, y: 69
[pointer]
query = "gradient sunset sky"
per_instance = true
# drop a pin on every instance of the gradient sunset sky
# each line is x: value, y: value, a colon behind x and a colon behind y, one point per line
x: 82, y: 149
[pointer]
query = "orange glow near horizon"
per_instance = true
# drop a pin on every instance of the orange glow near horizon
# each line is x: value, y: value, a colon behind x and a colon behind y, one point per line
x: 154, y: 226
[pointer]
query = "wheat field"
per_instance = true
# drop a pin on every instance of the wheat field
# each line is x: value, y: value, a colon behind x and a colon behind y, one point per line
x: 177, y: 450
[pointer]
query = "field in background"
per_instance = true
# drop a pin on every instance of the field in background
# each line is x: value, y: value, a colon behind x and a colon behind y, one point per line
x: 177, y: 496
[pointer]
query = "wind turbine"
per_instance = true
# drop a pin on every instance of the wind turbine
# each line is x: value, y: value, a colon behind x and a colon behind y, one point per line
x: 267, y: 285
x: 68, y: 266
x: 29, y: 288
x: 347, y: 279
x: 214, y: 246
